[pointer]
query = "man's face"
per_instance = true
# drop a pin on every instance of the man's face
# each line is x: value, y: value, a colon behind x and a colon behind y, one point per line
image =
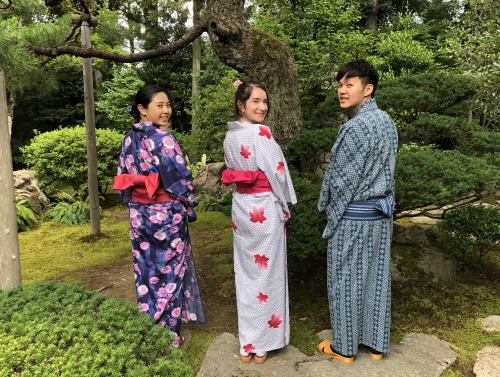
x: 352, y: 93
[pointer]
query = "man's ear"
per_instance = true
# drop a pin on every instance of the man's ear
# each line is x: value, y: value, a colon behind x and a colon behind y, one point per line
x: 368, y: 89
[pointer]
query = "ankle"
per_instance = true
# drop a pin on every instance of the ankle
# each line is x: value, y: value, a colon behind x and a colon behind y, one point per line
x: 338, y: 353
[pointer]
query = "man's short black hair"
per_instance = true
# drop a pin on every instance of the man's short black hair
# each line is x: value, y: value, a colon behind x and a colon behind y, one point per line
x: 362, y: 69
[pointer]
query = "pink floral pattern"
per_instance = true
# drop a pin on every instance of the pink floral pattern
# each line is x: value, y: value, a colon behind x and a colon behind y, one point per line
x: 165, y: 275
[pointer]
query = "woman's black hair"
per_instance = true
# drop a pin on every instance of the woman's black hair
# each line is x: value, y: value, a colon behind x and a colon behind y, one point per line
x: 143, y: 97
x: 243, y: 93
x: 362, y: 69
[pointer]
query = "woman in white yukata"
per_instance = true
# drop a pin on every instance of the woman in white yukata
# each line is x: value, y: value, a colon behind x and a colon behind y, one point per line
x: 255, y: 163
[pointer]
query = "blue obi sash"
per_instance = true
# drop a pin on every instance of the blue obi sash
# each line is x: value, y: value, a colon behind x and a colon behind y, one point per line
x: 370, y: 210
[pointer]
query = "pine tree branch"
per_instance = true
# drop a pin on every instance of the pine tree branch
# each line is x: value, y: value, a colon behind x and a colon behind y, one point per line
x: 53, y: 52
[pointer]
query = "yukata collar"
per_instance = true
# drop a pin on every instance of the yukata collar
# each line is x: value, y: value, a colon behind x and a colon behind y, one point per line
x: 368, y: 105
x: 237, y: 124
x: 142, y: 126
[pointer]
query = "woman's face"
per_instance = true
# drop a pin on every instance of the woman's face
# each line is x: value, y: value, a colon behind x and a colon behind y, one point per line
x: 255, y: 109
x: 158, y: 110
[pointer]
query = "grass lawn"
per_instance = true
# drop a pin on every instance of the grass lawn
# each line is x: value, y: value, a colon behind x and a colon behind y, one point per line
x: 450, y: 310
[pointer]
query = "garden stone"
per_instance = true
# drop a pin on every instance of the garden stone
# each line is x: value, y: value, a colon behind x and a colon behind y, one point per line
x: 439, y: 266
x: 426, y: 260
x: 208, y: 180
x: 27, y: 188
x: 424, y: 220
x: 418, y: 355
x: 491, y: 324
x: 488, y: 362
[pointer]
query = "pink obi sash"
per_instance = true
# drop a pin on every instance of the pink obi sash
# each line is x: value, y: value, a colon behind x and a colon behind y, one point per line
x: 146, y: 190
x: 247, y: 181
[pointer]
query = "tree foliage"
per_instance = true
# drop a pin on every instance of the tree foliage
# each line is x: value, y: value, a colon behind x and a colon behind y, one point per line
x: 474, y: 45
x: 428, y: 176
x: 116, y: 94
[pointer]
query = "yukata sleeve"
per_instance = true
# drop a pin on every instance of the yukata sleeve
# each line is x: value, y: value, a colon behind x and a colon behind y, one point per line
x: 271, y: 161
x: 175, y: 176
x: 123, y: 168
x: 344, y: 174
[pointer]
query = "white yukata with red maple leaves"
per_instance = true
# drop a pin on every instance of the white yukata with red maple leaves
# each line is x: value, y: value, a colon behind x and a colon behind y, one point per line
x: 260, y: 261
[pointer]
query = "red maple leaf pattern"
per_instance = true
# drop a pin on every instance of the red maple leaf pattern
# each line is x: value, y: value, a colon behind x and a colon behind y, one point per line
x: 249, y: 348
x: 261, y: 261
x: 281, y: 167
x: 265, y: 131
x: 245, y: 151
x: 275, y: 321
x: 257, y: 215
x: 262, y: 298
x: 234, y: 225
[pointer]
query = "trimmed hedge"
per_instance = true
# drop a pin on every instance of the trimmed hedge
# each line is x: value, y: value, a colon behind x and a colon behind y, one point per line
x: 59, y: 158
x: 50, y: 329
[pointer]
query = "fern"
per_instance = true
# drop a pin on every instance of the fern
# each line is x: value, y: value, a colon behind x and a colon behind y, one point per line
x: 25, y: 216
x: 77, y: 212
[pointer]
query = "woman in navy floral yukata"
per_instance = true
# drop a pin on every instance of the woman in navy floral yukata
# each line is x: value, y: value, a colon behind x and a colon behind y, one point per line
x: 157, y: 187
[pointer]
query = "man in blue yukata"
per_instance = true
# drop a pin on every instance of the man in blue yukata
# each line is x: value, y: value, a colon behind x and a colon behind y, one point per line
x: 357, y: 197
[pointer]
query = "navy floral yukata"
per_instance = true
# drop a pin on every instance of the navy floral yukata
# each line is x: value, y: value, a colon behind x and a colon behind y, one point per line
x: 165, y: 275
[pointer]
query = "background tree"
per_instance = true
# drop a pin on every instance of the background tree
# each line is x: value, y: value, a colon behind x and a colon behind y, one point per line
x: 116, y: 94
x: 10, y: 260
x: 260, y: 55
x: 474, y: 45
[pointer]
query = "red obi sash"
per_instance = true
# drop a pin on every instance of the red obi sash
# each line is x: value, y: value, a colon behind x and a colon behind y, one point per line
x: 247, y: 181
x: 146, y: 190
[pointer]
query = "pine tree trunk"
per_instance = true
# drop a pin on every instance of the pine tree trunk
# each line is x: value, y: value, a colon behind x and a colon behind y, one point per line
x: 261, y: 57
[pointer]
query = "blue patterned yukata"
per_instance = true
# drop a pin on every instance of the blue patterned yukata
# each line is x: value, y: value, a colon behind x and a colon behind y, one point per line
x: 361, y: 171
x: 165, y: 276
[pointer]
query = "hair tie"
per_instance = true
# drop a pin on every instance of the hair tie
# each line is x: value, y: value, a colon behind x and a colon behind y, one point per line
x: 129, y: 108
x: 237, y: 83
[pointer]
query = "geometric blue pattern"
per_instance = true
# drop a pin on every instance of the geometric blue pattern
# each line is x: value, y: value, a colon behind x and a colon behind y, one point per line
x: 361, y: 169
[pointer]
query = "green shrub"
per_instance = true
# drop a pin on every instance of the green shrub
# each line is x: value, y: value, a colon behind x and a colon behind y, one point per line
x: 211, y: 204
x: 306, y: 224
x: 470, y: 232
x: 25, y: 216
x: 49, y: 329
x: 426, y: 176
x: 485, y: 144
x: 68, y: 211
x: 442, y: 130
x: 59, y: 158
x: 305, y: 149
x: 404, y: 98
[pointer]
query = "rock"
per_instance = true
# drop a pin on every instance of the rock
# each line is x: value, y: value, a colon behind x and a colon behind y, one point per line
x: 27, y: 188
x: 415, y: 255
x: 491, y: 323
x: 488, y: 362
x: 208, y: 181
x: 441, y: 267
x: 418, y: 355
x: 424, y: 220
